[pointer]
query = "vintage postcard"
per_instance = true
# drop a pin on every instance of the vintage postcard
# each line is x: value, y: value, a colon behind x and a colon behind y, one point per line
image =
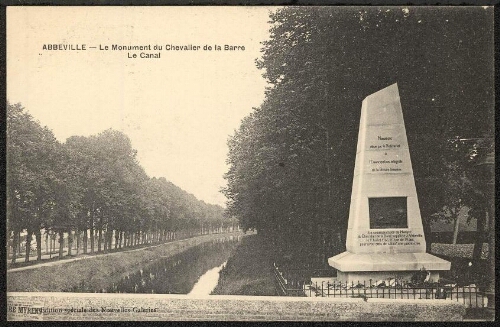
x: 250, y: 163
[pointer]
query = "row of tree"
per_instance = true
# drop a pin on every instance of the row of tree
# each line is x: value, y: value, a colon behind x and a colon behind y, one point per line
x: 292, y: 159
x: 92, y: 186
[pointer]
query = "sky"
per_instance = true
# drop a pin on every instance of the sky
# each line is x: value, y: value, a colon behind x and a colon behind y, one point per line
x: 178, y: 110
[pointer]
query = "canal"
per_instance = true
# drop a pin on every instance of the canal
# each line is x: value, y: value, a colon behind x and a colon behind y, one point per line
x: 194, y: 271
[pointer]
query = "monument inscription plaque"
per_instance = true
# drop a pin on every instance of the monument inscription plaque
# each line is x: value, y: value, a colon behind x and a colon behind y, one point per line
x: 388, y: 212
x: 385, y: 232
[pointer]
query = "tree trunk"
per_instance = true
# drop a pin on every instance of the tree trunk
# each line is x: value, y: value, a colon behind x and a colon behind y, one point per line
x: 85, y: 240
x: 105, y: 238
x: 491, y: 256
x: 19, y: 242
x: 427, y: 232
x: 47, y: 250
x: 99, y: 239
x: 61, y: 244
x: 479, y: 239
x: 28, y: 245
x: 455, y: 228
x: 38, y: 236
x: 70, y: 242
x: 78, y: 240
x: 92, y: 229
x: 110, y: 239
x: 15, y: 242
x: 117, y: 238
x: 50, y: 246
x: 92, y: 239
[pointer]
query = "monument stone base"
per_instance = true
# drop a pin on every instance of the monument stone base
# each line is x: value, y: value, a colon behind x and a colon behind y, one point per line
x: 361, y: 267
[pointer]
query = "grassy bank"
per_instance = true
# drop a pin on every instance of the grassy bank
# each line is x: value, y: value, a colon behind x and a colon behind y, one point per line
x: 98, y: 271
x: 248, y: 271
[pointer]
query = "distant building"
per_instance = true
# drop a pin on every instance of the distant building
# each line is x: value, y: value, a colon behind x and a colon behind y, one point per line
x: 442, y: 230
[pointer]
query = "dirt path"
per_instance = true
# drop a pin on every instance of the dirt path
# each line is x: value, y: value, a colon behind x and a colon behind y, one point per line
x: 89, y: 256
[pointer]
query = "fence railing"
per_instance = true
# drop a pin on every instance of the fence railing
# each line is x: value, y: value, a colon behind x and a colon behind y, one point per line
x: 470, y: 295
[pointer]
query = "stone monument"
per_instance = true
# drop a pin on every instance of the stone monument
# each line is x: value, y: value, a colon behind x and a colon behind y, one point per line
x: 385, y: 237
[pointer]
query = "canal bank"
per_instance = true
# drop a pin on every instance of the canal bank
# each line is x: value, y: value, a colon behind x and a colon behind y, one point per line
x: 249, y: 270
x: 99, y: 271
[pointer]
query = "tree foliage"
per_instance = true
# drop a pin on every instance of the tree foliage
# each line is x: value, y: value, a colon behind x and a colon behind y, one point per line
x: 93, y: 187
x: 292, y: 159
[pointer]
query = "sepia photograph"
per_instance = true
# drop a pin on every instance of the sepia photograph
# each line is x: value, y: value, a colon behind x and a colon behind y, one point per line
x: 250, y: 163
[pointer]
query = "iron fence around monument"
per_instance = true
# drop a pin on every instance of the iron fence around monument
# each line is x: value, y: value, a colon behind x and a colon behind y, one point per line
x: 470, y: 295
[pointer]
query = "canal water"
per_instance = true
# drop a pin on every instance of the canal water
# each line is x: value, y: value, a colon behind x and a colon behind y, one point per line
x: 194, y: 271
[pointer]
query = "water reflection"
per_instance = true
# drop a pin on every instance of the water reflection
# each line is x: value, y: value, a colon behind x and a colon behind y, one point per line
x: 174, y: 275
x: 207, y: 283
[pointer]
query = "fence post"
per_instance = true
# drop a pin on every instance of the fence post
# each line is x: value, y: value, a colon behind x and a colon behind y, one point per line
x: 371, y: 289
x: 470, y: 296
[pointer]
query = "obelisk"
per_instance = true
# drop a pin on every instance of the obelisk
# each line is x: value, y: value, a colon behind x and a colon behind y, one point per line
x: 385, y: 237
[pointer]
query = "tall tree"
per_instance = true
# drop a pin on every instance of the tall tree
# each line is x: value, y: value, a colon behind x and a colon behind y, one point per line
x: 32, y: 152
x: 292, y: 160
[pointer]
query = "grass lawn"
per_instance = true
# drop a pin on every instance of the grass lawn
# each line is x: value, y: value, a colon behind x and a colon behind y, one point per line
x: 248, y: 271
